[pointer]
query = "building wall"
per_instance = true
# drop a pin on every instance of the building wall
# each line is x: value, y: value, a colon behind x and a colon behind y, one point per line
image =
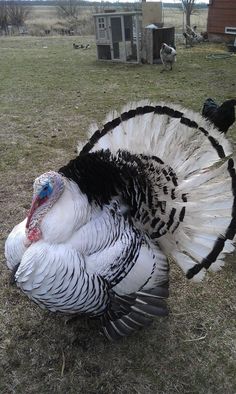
x: 221, y: 14
x: 152, y: 12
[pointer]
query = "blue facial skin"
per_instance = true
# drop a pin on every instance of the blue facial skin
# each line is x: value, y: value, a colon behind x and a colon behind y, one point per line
x: 46, y: 191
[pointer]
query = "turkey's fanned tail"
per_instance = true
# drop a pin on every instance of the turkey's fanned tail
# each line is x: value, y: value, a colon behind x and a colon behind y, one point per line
x: 192, y: 216
x: 152, y: 129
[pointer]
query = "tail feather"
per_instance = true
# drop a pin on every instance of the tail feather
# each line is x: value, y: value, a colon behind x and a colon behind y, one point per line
x: 133, y: 312
x: 153, y: 129
x: 192, y: 212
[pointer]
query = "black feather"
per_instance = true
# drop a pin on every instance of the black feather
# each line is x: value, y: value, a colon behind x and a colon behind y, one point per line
x: 222, y: 116
x: 101, y: 176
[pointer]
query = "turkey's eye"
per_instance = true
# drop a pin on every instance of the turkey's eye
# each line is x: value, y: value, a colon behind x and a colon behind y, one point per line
x: 45, y: 191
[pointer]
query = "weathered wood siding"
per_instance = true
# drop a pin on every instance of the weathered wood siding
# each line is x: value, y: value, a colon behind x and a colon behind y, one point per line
x: 221, y: 14
x: 152, y: 40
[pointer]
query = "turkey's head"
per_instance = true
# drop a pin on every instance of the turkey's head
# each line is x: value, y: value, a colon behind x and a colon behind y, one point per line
x: 47, y: 189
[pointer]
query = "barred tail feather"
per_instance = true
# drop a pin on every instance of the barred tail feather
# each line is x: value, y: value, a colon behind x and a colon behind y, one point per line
x: 206, y: 234
x: 154, y: 129
x: 200, y: 206
x: 138, y: 312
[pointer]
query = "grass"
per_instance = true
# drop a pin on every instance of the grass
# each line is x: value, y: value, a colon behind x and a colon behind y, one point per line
x: 49, y: 95
x: 175, y: 17
x: 45, y: 17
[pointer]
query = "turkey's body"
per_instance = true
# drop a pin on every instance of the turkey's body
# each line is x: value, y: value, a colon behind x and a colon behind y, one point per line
x: 155, y: 182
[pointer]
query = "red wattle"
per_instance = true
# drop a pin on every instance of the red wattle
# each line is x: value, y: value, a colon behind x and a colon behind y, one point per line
x: 34, y: 234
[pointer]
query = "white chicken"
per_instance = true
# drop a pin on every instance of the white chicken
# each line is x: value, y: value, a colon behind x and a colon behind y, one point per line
x: 168, y: 56
x: 156, y: 181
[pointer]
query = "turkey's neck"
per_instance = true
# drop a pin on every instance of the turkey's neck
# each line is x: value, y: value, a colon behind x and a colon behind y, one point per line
x: 67, y: 215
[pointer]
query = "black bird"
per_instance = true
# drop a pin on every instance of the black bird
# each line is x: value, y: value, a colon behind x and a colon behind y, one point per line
x: 222, y: 116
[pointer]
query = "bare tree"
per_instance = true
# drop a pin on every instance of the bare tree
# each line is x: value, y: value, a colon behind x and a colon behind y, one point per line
x: 17, y: 13
x: 188, y: 6
x: 68, y: 10
x: 12, y: 13
x: 3, y: 17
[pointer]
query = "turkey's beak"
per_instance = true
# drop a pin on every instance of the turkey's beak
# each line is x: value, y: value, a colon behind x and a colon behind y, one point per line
x: 35, y: 204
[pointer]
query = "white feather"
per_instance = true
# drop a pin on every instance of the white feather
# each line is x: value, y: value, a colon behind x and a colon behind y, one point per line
x: 59, y: 224
x: 151, y: 268
x: 15, y: 245
x: 158, y: 134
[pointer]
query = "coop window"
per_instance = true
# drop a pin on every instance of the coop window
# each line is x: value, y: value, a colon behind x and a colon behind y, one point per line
x: 101, y: 23
x: 230, y: 30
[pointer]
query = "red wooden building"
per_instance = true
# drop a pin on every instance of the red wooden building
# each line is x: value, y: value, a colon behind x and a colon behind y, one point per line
x: 221, y: 24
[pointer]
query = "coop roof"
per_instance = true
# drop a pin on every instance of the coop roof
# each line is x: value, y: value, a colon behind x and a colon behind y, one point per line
x: 118, y: 13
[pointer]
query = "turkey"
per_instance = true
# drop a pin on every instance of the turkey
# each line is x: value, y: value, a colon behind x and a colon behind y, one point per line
x: 157, y: 182
x: 189, y: 39
x: 222, y: 116
x: 192, y: 31
x: 192, y: 36
x: 168, y: 56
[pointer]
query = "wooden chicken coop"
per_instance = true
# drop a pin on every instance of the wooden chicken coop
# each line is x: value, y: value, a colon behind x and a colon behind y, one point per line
x: 221, y: 23
x: 152, y: 39
x: 134, y: 36
x: 118, y: 36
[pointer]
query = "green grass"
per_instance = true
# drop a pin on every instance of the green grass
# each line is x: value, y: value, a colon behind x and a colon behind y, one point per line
x: 49, y: 95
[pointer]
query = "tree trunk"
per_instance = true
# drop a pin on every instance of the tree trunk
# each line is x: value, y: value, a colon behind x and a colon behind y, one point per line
x: 188, y: 8
x: 188, y: 17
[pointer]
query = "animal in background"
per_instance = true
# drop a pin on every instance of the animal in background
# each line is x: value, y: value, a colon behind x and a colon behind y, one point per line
x: 191, y: 36
x: 222, y: 116
x: 155, y: 182
x: 168, y: 56
x: 193, y: 32
x: 82, y: 46
x: 188, y: 39
x: 204, y: 35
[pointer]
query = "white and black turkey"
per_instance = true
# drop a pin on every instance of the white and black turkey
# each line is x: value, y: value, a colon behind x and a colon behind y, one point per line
x: 156, y: 182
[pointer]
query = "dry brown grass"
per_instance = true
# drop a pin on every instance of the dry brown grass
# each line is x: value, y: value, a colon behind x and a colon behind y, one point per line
x: 46, y: 17
x: 175, y: 17
x: 42, y: 18
x: 49, y: 94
